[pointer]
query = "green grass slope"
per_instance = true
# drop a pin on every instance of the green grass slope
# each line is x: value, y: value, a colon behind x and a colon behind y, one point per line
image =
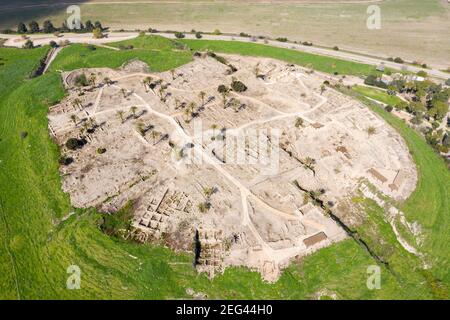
x: 37, y: 246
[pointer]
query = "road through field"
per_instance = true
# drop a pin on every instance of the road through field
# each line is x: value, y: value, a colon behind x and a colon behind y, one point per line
x: 18, y: 41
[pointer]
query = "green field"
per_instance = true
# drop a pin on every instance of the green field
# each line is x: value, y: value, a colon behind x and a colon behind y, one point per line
x: 412, y: 29
x: 37, y: 246
x: 378, y: 95
x: 163, y: 58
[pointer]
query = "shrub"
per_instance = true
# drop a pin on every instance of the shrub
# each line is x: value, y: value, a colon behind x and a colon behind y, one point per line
x: 97, y: 33
x: 398, y: 60
x: 81, y: 80
x: 179, y: 35
x: 389, y: 108
x: 447, y: 82
x: 65, y: 161
x: 151, y: 30
x: 53, y: 44
x: 198, y: 35
x: 336, y: 48
x: 245, y: 35
x: 74, y: 144
x: 282, y: 39
x: 101, y: 150
x: 238, y: 86
x: 422, y: 73
x: 28, y: 44
x: 217, y: 32
x: 222, y: 88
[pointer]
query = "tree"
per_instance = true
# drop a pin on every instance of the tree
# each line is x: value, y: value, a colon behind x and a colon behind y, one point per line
x: 107, y: 81
x: 97, y: 33
x: 155, y: 134
x: 202, y: 95
x: 146, y: 82
x: 177, y: 103
x: 92, y: 79
x: 22, y: 28
x: 214, y: 128
x: 322, y: 88
x: 140, y: 128
x: 208, y: 191
x: 222, y: 88
x: 439, y: 110
x: 81, y: 80
x: 74, y: 119
x: 34, y: 27
x: 48, y: 27
x: 371, y: 131
x: 89, y: 27
x: 28, y: 44
x: 224, y: 98
x: 256, y: 70
x: 73, y: 143
x: 238, y: 86
x: 119, y: 115
x: 309, y: 163
x: 422, y: 74
x: 204, y: 206
x: 172, y: 72
x: 161, y: 92
x: 124, y: 92
x: 77, y: 103
x: 133, y: 110
x: 187, y: 113
x: 179, y: 35
x: 98, y: 25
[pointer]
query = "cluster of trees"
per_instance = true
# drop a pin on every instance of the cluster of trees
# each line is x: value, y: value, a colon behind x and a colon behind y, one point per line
x: 374, y: 80
x: 426, y: 101
x: 396, y: 60
x: 48, y: 27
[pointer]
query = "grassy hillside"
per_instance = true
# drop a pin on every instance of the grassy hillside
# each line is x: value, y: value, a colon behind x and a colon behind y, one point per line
x: 378, y: 95
x: 430, y: 202
x: 77, y: 56
x: 37, y: 247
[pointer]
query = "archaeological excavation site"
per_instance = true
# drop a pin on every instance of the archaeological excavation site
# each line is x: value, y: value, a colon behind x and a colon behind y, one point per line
x: 239, y: 161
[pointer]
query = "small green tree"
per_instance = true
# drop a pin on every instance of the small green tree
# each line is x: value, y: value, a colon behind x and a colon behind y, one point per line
x: 133, y: 110
x: 120, y: 115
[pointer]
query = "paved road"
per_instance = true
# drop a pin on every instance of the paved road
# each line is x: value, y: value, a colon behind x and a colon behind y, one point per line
x: 17, y: 41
